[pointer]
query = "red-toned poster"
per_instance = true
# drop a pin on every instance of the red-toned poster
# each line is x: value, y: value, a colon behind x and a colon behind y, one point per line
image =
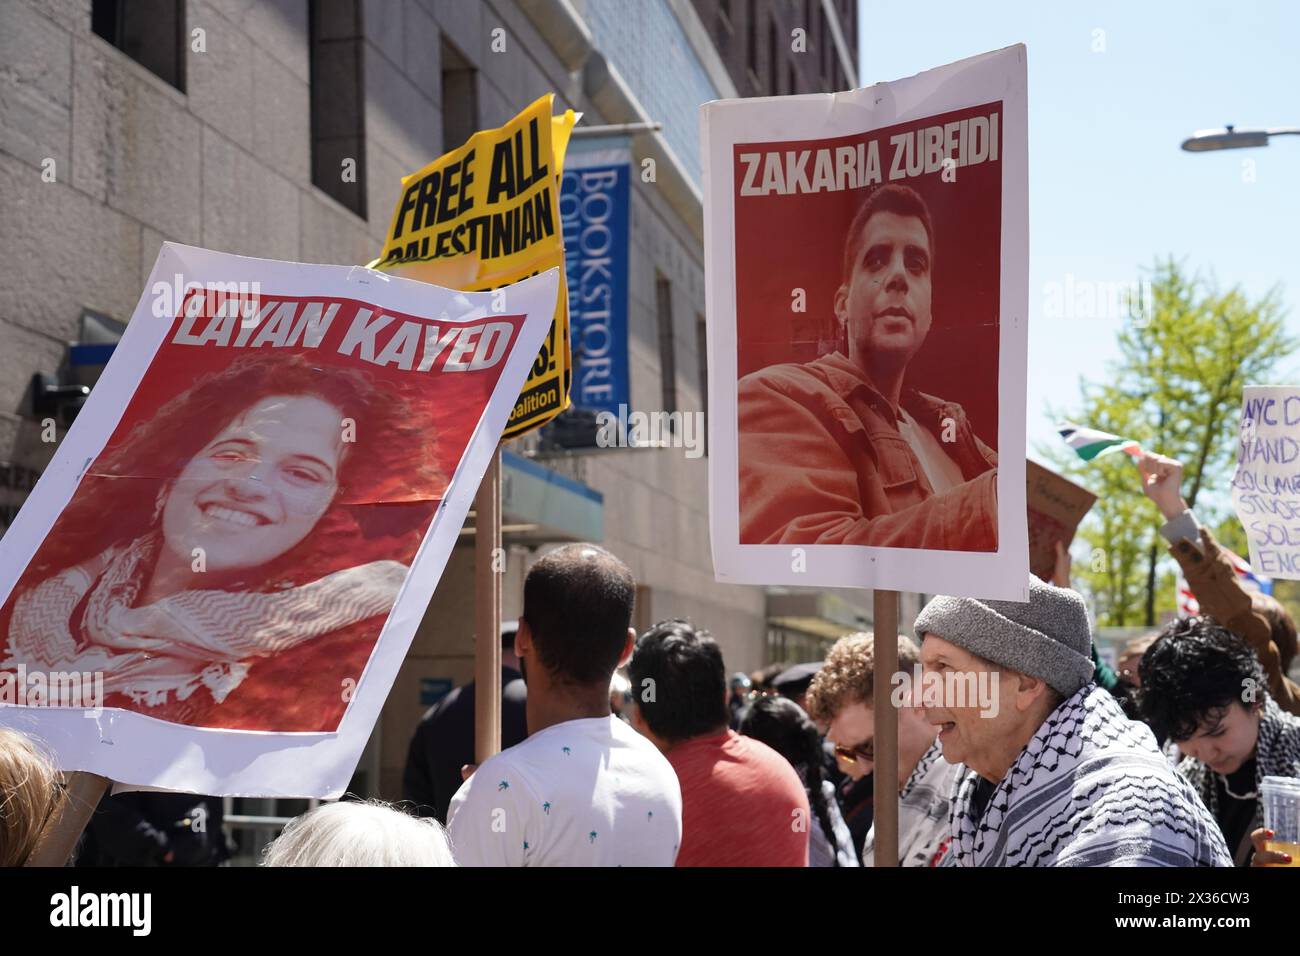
x: 224, y: 553
x: 867, y: 289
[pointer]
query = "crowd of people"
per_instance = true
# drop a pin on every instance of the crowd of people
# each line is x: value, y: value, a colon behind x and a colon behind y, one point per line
x: 1019, y: 748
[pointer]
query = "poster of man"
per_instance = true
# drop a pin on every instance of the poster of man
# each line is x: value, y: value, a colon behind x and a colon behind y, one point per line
x: 867, y: 267
x: 242, y: 529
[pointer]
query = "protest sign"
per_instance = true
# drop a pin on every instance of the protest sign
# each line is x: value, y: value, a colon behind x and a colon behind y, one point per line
x: 1266, y: 484
x: 1056, y: 505
x: 485, y: 215
x: 866, y: 264
x: 231, y: 550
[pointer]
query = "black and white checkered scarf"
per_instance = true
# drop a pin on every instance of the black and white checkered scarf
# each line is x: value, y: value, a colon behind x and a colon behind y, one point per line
x: 1090, y: 789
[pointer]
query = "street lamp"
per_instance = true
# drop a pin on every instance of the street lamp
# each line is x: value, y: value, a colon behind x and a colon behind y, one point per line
x: 1230, y: 137
x: 617, y: 128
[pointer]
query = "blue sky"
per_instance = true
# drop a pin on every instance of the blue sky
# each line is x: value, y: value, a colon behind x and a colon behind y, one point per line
x: 1109, y: 188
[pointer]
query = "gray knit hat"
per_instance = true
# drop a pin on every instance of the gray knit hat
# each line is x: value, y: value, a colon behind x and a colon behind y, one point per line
x: 1047, y: 637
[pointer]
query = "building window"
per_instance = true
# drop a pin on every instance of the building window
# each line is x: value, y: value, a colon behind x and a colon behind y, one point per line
x: 338, y: 102
x: 151, y: 32
x: 643, y: 606
x: 459, y: 98
x: 702, y: 351
x: 773, y: 64
x: 751, y: 45
x: 824, y: 42
x: 667, y: 346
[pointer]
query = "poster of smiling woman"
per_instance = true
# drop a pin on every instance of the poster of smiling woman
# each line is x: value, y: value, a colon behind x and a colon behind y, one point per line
x: 240, y: 533
x: 866, y: 265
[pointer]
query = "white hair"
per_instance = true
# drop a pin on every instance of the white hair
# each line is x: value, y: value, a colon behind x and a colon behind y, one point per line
x: 350, y: 833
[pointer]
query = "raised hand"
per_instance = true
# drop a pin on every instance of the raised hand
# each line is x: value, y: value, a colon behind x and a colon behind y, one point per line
x: 1162, y: 482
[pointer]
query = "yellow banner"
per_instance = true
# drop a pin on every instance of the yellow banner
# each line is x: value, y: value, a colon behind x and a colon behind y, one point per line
x: 488, y: 214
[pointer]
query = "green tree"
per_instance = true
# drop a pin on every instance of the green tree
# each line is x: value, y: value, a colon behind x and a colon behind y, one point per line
x: 1186, y: 350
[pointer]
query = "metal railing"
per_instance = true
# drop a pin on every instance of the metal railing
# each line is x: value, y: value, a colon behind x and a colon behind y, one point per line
x: 262, y: 829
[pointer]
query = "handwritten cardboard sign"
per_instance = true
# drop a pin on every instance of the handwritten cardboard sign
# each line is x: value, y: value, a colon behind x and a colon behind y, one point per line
x: 1056, y: 506
x: 1266, y: 485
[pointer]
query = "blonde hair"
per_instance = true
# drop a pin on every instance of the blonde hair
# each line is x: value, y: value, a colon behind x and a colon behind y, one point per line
x: 849, y: 674
x: 30, y: 794
x: 352, y: 833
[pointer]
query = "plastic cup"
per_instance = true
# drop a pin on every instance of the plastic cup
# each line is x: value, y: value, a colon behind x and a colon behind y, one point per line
x: 1281, y: 799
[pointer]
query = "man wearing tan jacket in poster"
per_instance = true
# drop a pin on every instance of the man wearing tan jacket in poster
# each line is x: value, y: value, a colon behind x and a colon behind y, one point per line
x: 839, y: 450
x: 1257, y: 618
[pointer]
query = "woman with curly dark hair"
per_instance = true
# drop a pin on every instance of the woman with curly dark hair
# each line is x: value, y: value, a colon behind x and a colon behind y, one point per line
x: 781, y: 724
x: 1203, y: 687
x: 230, y: 560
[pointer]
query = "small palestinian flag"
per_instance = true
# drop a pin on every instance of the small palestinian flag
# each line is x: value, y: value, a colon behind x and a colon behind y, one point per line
x: 1090, y: 443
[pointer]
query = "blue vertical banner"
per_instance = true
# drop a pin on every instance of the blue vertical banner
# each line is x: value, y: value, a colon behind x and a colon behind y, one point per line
x: 594, y: 218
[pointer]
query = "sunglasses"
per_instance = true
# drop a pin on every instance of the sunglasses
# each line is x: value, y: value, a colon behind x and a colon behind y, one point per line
x: 865, y: 752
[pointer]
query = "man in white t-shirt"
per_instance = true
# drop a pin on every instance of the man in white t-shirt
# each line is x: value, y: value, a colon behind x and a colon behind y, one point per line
x: 584, y: 788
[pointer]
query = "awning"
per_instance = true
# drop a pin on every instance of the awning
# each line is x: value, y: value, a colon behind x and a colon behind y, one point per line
x: 817, y: 627
x: 540, y: 506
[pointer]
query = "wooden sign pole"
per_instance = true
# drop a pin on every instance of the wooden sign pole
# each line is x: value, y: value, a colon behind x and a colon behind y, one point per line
x: 62, y: 830
x: 487, y: 613
x: 885, y: 779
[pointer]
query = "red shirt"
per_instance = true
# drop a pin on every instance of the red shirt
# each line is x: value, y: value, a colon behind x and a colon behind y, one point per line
x: 742, y: 804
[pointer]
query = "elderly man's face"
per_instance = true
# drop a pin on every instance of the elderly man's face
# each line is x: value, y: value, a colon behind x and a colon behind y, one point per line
x: 885, y: 304
x: 977, y: 736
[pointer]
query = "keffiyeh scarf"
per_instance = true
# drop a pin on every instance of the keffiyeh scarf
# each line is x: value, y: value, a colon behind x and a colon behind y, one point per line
x: 187, y: 640
x: 1090, y: 789
x: 924, y: 806
x: 1277, y: 754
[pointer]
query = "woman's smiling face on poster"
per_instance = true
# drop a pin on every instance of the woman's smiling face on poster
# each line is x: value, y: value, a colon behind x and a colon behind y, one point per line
x: 259, y: 486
